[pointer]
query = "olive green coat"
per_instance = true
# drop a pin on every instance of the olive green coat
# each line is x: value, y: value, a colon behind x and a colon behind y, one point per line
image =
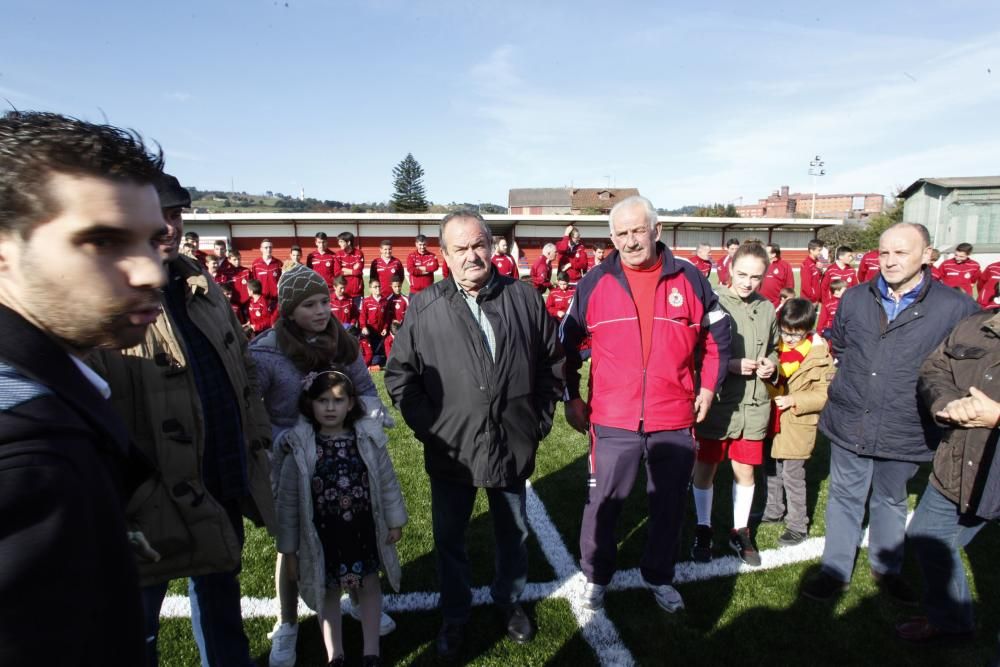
x: 742, y: 407
x: 807, y: 386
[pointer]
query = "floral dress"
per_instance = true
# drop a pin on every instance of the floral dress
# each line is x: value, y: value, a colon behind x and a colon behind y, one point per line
x: 342, y: 511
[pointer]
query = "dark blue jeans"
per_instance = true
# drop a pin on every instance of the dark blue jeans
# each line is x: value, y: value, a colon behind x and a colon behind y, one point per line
x: 936, y: 533
x: 451, y: 509
x: 216, y: 616
x: 851, y: 479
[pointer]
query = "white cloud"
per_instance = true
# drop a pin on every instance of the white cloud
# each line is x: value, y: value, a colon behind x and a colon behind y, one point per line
x: 177, y: 96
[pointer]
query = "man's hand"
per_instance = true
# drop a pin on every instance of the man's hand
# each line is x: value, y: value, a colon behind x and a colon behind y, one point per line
x: 703, y: 402
x: 568, y: 230
x: 765, y: 368
x: 974, y: 411
x: 395, y: 535
x: 141, y: 548
x: 292, y: 566
x: 578, y: 414
x: 742, y: 366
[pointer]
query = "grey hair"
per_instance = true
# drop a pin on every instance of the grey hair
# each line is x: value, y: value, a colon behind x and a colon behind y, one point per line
x: 547, y: 247
x: 466, y: 213
x: 925, y: 235
x: 633, y: 202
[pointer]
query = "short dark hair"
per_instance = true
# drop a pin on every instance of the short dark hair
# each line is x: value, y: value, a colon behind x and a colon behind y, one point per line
x: 211, y: 258
x: 395, y: 279
x: 562, y: 276
x: 837, y: 284
x: 732, y: 242
x: 815, y: 244
x: 253, y: 285
x: 321, y: 235
x: 233, y: 252
x: 346, y: 237
x: 294, y: 248
x: 35, y: 145
x: 787, y: 292
x: 775, y: 248
x: 373, y: 281
x: 336, y: 376
x: 797, y: 314
x: 420, y: 238
x: 226, y: 287
x: 340, y: 280
x: 600, y: 244
x: 263, y: 241
x: 385, y: 242
x: 192, y: 235
x: 964, y: 247
x: 219, y: 242
x: 844, y: 250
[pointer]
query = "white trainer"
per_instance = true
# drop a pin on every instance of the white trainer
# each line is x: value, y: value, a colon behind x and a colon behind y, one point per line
x: 385, y: 624
x: 283, y: 639
x: 666, y: 596
x: 593, y: 596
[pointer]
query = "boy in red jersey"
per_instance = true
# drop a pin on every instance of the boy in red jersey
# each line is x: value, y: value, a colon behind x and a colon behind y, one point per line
x: 837, y: 289
x: 560, y: 297
x: 267, y: 269
x: 227, y: 289
x: 341, y: 305
x: 262, y: 311
x: 732, y: 245
x: 842, y: 270
x: 960, y: 271
x: 779, y: 274
x: 987, y: 287
x: 572, y: 254
x: 600, y: 249
x: 351, y: 265
x: 385, y: 267
x: 239, y: 277
x: 195, y: 241
x: 810, y: 276
x: 322, y: 260
x: 397, y: 302
x: 504, y: 263
x: 212, y: 267
x: 935, y: 269
x: 421, y: 265
x: 868, y: 268
x: 390, y: 338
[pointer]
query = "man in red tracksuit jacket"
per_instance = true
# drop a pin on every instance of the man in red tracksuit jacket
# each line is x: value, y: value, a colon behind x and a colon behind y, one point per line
x: 385, y: 267
x: 322, y: 260
x: 541, y: 270
x: 560, y: 296
x: 987, y: 288
x: 351, y: 265
x: 702, y: 259
x: 722, y: 271
x: 267, y: 270
x: 421, y: 265
x: 779, y: 274
x: 810, y: 277
x: 505, y: 263
x: 572, y: 255
x: 960, y: 271
x: 868, y: 268
x: 660, y: 347
x: 841, y: 269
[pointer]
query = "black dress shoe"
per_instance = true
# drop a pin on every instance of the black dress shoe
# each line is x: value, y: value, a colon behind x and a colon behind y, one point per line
x: 449, y: 639
x: 519, y: 625
x: 896, y: 588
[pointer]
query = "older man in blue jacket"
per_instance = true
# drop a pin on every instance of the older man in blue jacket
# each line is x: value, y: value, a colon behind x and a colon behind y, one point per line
x: 878, y: 430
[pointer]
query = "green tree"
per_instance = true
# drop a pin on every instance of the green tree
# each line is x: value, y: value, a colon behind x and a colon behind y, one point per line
x: 407, y: 179
x: 878, y: 223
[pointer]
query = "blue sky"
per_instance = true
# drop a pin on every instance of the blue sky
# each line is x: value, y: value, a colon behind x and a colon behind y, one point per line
x: 689, y: 102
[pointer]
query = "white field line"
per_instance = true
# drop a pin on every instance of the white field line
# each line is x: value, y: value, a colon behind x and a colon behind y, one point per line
x: 596, y: 627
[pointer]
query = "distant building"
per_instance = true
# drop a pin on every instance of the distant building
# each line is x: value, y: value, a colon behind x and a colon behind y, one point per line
x: 782, y: 204
x: 956, y: 210
x: 558, y: 201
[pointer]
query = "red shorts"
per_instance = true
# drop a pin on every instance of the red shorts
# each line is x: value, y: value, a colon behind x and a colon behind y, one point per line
x: 749, y: 452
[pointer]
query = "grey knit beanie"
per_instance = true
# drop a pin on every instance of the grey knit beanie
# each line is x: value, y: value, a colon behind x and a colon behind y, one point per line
x: 298, y: 284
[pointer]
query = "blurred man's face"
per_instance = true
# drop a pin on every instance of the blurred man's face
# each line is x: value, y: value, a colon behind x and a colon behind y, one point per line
x: 235, y: 260
x: 376, y: 290
x: 321, y: 245
x: 502, y: 247
x: 212, y: 264
x: 169, y: 241
x: 961, y: 256
x: 562, y: 284
x: 598, y: 253
x: 265, y: 250
x: 396, y: 286
x: 770, y: 254
x: 220, y: 248
x: 339, y: 290
x: 731, y: 249
x: 386, y: 251
x: 421, y: 247
x: 704, y: 252
x: 107, y: 236
x: 344, y: 245
x: 296, y: 256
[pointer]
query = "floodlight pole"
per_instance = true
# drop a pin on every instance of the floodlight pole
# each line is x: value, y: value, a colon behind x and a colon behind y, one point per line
x: 815, y: 169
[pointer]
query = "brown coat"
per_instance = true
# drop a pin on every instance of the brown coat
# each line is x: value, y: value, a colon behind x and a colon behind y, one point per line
x: 808, y: 386
x: 969, y: 357
x: 156, y: 395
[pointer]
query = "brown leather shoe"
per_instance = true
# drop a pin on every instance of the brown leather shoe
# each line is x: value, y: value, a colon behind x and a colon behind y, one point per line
x: 919, y: 630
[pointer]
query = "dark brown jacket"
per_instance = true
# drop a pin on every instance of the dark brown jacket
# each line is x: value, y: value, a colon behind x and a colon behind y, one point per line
x: 969, y: 357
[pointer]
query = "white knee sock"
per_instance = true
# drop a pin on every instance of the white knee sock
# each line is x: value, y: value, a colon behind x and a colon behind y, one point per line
x: 703, y: 505
x: 742, y: 500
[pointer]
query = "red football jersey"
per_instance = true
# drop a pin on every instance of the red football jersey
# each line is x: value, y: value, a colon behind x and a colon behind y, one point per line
x: 355, y: 263
x: 387, y: 344
x: 827, y: 314
x: 421, y: 267
x: 366, y: 350
x: 372, y: 314
x: 384, y: 270
x: 572, y: 258
x: 779, y: 274
x: 703, y: 265
x: 835, y: 272
x: 559, y: 301
x: 241, y: 293
x: 506, y: 266
x: 262, y: 314
x: 723, y: 269
x: 868, y: 268
x: 810, y: 280
x: 325, y: 264
x: 267, y: 273
x: 987, y: 287
x: 541, y: 274
x: 962, y: 275
x: 343, y: 309
x: 395, y: 307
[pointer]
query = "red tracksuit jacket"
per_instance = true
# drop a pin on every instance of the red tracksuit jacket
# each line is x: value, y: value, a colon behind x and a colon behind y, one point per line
x: 385, y: 270
x: 241, y: 293
x: 421, y: 267
x: 262, y: 314
x: 559, y: 300
x: 987, y: 287
x: 834, y: 272
x: 343, y: 309
x: 506, y: 266
x: 573, y: 255
x: 779, y: 274
x: 325, y: 264
x: 810, y: 280
x: 267, y: 273
x: 354, y: 261
x: 372, y: 314
x: 703, y: 265
x: 541, y: 274
x: 690, y: 346
x: 962, y: 276
x: 827, y: 314
x: 395, y: 307
x: 868, y: 268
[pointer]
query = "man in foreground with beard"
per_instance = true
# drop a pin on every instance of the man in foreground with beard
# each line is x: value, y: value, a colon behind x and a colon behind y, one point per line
x: 77, y: 210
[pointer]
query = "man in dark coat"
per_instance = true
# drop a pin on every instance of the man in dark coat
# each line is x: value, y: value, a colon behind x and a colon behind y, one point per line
x: 76, y: 208
x: 879, y: 433
x: 476, y: 370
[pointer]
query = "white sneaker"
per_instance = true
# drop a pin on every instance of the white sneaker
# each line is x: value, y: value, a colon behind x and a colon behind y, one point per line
x: 385, y: 624
x: 593, y: 596
x: 666, y: 596
x: 283, y: 639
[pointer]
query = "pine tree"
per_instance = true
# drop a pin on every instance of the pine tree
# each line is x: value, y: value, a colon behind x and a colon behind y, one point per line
x: 407, y: 178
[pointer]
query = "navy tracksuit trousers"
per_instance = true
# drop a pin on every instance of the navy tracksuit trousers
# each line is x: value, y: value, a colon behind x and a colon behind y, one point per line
x: 615, y: 455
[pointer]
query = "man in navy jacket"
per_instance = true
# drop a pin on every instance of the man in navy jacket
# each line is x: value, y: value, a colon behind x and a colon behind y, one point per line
x: 879, y: 432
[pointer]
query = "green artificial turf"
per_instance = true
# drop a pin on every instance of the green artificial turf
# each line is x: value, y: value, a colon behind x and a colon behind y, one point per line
x: 753, y: 619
